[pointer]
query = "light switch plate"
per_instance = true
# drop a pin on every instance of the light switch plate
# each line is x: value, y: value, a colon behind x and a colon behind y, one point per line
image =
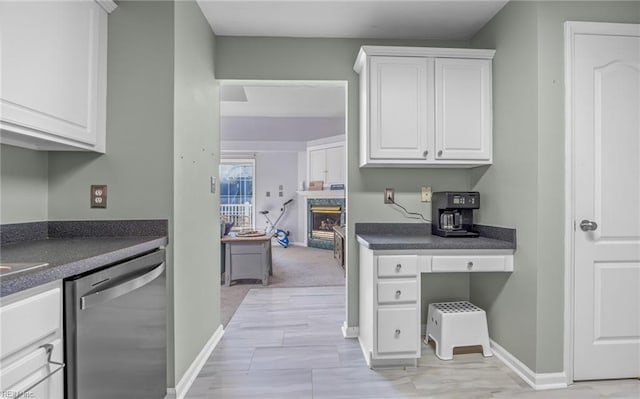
x: 99, y: 196
x: 213, y: 184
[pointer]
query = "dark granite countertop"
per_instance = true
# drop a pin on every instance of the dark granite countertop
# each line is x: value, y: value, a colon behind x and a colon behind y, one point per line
x: 69, y: 255
x: 390, y: 236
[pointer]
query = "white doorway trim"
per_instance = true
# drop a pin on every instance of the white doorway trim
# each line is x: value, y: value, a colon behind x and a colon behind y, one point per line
x: 348, y: 332
x: 571, y: 29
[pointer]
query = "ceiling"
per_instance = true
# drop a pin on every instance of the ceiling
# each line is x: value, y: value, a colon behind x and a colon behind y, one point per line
x: 277, y: 113
x: 413, y: 19
x: 282, y: 101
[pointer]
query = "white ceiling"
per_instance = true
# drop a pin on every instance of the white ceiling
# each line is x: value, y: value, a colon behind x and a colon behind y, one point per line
x: 377, y: 19
x: 282, y: 101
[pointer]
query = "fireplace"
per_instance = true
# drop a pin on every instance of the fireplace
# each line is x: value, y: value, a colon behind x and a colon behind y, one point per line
x: 323, y: 214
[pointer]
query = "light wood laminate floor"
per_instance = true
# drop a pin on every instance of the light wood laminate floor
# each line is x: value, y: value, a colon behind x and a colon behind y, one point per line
x: 287, y: 343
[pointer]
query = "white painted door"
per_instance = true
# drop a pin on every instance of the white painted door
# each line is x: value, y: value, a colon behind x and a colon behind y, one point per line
x: 606, y: 136
x: 401, y: 113
x: 463, y: 109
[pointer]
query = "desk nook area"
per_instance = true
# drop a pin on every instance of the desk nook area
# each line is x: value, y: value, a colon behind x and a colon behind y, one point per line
x: 393, y: 258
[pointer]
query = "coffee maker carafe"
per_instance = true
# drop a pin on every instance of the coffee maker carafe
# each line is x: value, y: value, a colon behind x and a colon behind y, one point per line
x: 452, y: 213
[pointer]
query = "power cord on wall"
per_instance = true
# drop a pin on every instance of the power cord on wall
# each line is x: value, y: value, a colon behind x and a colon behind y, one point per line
x: 409, y: 215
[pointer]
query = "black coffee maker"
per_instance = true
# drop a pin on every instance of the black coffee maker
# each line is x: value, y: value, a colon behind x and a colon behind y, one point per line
x: 452, y: 213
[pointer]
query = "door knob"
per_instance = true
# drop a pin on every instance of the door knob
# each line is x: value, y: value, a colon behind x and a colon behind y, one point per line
x: 588, y: 225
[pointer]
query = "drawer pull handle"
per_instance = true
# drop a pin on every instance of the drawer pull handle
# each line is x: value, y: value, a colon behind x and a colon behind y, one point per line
x: 398, y: 267
x: 397, y: 332
x: 470, y: 265
x: 398, y: 293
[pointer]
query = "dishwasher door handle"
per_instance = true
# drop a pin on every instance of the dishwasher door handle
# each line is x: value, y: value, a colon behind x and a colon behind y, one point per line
x: 108, y: 294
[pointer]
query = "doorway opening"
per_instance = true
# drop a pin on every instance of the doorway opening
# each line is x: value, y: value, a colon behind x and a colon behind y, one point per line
x: 294, y: 132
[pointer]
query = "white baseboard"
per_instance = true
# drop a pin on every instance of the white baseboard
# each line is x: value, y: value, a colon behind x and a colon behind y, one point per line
x: 182, y: 387
x: 537, y: 381
x: 350, y: 332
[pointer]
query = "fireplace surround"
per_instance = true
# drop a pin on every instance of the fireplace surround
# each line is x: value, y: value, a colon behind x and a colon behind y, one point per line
x: 322, y: 215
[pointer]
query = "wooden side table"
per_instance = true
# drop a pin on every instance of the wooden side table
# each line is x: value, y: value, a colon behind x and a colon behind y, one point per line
x: 247, y: 258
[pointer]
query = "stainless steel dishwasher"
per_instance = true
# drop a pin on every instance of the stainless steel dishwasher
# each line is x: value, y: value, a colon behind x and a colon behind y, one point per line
x: 115, y: 331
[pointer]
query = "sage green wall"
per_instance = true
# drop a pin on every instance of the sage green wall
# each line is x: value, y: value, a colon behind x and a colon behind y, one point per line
x: 332, y: 59
x: 137, y: 166
x: 529, y: 136
x: 509, y: 187
x: 24, y: 185
x: 196, y: 156
x: 161, y: 151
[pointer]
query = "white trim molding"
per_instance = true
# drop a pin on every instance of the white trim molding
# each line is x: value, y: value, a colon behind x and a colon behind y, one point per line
x: 350, y: 332
x: 182, y: 387
x: 537, y: 381
x: 108, y: 5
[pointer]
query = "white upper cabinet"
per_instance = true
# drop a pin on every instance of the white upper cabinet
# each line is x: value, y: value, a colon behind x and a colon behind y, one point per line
x: 399, y: 88
x: 425, y: 107
x: 326, y: 163
x: 53, y: 75
x: 463, y: 109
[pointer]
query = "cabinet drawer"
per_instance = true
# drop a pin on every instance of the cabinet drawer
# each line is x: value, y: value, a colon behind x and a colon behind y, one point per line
x: 397, y: 265
x: 29, y: 320
x: 253, y: 248
x: 397, y: 291
x: 476, y: 263
x: 398, y: 330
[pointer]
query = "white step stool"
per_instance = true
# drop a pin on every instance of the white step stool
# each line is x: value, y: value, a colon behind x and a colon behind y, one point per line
x: 452, y: 324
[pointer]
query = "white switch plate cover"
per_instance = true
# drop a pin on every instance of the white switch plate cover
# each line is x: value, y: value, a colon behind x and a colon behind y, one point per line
x: 425, y: 194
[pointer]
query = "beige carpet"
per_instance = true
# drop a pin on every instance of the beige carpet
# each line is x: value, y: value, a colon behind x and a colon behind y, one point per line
x: 294, y: 266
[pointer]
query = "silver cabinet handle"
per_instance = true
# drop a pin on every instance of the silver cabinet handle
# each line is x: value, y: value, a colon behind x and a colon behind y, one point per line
x: 397, y: 331
x: 588, y: 225
x: 470, y: 265
x: 440, y: 153
x: 398, y: 267
x: 398, y: 293
x: 49, y: 349
x: 425, y: 153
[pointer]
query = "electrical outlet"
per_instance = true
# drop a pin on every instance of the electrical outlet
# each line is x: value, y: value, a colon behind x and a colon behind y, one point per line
x: 425, y: 194
x: 99, y: 196
x: 389, y: 195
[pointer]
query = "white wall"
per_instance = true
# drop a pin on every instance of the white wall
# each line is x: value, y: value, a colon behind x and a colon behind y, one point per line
x: 272, y: 170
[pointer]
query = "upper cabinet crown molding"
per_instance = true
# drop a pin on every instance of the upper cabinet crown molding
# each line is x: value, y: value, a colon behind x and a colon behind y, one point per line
x: 432, y: 52
x: 425, y: 107
x: 54, y: 73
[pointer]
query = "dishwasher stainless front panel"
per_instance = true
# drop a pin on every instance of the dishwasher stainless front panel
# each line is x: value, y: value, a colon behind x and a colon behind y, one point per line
x: 115, y: 337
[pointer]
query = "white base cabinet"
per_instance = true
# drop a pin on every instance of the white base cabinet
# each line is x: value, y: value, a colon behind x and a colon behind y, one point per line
x: 32, y: 343
x: 425, y: 107
x: 389, y: 309
x: 390, y: 296
x: 53, y: 77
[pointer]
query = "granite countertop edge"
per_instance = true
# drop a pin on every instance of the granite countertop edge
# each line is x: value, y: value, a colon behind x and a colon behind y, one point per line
x: 46, y: 274
x: 385, y: 236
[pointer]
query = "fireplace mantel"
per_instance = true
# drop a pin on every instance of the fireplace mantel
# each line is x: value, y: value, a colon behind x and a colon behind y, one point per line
x: 321, y: 194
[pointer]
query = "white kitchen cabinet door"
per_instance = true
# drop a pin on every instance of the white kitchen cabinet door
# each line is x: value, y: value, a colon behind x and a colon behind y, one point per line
x: 398, y: 330
x: 401, y: 116
x: 335, y: 160
x: 317, y: 165
x: 326, y: 163
x: 463, y: 109
x: 53, y: 75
